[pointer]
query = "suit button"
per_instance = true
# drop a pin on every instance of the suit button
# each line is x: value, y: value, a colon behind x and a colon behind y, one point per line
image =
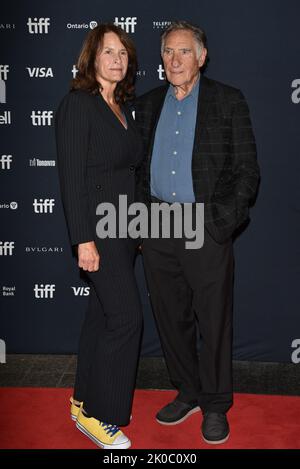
x: 132, y: 168
x: 98, y: 187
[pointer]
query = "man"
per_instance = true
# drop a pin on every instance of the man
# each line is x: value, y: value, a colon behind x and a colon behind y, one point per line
x: 199, y: 148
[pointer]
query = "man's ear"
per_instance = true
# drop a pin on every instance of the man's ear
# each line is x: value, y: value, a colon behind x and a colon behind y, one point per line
x: 202, y: 57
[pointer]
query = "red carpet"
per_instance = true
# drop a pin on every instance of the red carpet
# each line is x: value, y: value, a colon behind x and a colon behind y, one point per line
x: 32, y: 418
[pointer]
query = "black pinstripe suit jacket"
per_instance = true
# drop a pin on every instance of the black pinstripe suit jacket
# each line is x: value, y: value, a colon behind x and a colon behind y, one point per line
x: 224, y: 163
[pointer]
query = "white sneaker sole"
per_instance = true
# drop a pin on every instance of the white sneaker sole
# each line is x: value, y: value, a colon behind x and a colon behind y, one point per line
x: 218, y: 442
x: 99, y: 443
x: 191, y: 412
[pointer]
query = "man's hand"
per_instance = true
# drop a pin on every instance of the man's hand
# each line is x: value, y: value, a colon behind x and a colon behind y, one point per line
x: 88, y: 256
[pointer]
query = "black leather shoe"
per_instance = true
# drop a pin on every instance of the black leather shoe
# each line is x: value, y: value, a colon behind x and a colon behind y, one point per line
x: 215, y: 428
x: 176, y: 412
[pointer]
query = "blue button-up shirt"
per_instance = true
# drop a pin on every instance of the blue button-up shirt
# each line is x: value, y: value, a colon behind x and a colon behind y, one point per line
x: 171, y: 163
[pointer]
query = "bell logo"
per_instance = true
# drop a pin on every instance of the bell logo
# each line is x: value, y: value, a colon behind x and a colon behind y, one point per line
x: 38, y: 25
x: 43, y: 205
x: 128, y: 24
x: 41, y: 118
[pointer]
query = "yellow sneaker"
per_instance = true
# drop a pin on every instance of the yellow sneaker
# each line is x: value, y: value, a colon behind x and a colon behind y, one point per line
x: 105, y: 435
x: 74, y: 409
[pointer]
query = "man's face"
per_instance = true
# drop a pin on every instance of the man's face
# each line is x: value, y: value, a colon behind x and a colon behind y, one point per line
x: 181, y: 58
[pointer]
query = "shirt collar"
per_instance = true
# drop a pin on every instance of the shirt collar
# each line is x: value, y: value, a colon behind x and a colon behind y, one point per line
x: 192, y: 94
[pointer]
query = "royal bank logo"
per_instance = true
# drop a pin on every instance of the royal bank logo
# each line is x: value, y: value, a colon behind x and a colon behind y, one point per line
x: 161, y: 72
x: 5, y: 118
x: 41, y: 118
x: 40, y: 72
x: 43, y: 249
x: 6, y: 248
x: 81, y: 291
x: 8, y: 291
x: 295, y: 96
x: 4, y: 71
x: 91, y: 25
x: 5, y: 161
x: 128, y: 24
x: 42, y: 291
x: 38, y: 25
x: 10, y: 205
x: 43, y: 205
x: 161, y: 24
x: 36, y: 162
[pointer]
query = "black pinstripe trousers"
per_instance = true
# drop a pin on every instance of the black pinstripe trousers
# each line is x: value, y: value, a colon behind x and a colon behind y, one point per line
x: 110, y: 336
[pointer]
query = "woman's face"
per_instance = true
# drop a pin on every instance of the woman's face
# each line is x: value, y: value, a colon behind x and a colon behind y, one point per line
x: 111, y: 60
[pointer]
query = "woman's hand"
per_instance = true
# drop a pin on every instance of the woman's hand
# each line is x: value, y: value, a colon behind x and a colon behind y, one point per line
x: 88, y: 256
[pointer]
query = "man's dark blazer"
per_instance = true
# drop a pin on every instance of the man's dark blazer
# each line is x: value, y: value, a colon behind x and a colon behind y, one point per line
x: 224, y: 164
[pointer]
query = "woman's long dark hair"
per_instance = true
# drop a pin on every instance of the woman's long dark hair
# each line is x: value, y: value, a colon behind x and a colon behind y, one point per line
x: 86, y: 75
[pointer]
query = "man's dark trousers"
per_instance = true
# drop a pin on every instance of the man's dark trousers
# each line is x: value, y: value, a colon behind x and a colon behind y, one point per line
x: 189, y: 287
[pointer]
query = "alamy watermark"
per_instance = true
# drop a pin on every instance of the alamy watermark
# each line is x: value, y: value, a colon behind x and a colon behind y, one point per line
x: 164, y: 220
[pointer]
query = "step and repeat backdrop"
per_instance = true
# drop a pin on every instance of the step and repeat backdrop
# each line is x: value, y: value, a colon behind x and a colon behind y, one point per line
x: 253, y: 45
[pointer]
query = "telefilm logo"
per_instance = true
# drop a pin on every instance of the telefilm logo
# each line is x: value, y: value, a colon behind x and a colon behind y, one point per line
x: 38, y: 25
x: 295, y: 357
x: 43, y: 205
x: 10, y: 205
x: 90, y: 25
x: 128, y: 24
x: 36, y: 162
x: 42, y: 291
x: 5, y: 161
x: 40, y: 72
x: 161, y: 24
x: 81, y: 291
x: 6, y: 248
x: 41, y: 118
x: 295, y: 97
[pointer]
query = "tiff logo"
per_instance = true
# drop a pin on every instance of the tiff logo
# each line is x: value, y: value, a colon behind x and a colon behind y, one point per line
x: 161, y: 72
x: 41, y: 118
x: 2, y: 351
x: 5, y: 161
x: 4, y: 69
x: 38, y: 25
x: 44, y: 291
x: 6, y: 248
x: 43, y: 206
x: 128, y: 23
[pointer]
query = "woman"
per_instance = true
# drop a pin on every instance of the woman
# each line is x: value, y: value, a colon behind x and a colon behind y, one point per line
x: 99, y: 150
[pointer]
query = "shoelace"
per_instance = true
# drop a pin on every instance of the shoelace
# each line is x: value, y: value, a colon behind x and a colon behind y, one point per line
x: 109, y: 428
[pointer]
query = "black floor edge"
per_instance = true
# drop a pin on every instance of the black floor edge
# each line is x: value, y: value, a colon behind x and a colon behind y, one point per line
x: 59, y: 371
